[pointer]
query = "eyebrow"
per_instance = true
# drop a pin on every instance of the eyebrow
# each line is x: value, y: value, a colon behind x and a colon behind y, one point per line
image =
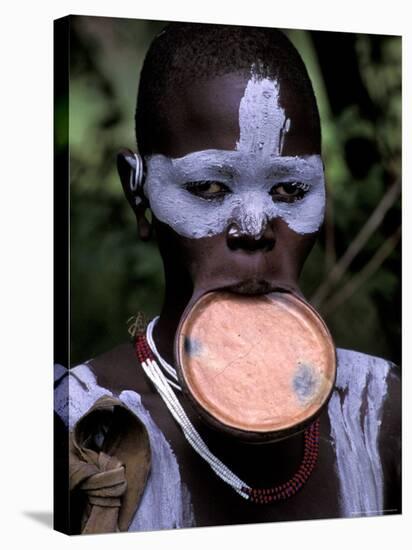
x: 225, y: 170
x: 274, y: 171
x: 206, y: 169
x: 296, y: 166
x: 215, y: 163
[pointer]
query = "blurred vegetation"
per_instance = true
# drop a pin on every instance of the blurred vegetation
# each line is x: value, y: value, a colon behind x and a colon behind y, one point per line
x: 353, y: 274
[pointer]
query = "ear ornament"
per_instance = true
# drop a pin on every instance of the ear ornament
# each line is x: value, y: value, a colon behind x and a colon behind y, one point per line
x: 136, y: 176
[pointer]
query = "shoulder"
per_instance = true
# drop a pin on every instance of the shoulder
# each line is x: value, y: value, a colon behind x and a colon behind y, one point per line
x: 111, y: 373
x: 356, y: 367
x: 119, y: 370
x: 373, y: 380
x: 367, y: 397
x: 75, y: 391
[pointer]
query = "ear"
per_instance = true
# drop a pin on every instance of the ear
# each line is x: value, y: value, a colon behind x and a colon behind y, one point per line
x: 130, y: 169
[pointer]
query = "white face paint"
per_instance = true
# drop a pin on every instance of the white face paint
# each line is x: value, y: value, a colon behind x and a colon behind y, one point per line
x: 249, y: 174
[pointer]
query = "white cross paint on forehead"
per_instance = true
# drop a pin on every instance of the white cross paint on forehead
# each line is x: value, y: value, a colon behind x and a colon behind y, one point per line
x: 262, y: 120
x: 249, y: 173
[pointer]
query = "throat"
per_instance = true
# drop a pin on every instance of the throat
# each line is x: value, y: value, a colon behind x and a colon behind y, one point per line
x: 177, y: 296
x: 164, y: 334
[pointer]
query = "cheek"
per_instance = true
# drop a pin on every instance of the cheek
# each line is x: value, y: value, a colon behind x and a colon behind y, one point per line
x: 305, y: 216
x: 291, y: 246
x: 190, y: 250
x: 190, y: 216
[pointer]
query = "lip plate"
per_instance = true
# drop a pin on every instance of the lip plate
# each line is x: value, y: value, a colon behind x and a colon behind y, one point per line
x: 212, y: 416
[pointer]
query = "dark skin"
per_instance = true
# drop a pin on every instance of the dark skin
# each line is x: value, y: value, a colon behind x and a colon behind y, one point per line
x: 204, y: 116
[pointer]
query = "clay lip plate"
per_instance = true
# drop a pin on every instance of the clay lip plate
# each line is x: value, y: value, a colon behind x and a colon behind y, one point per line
x: 256, y: 363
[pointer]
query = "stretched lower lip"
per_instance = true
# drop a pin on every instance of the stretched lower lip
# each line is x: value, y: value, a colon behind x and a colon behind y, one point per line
x: 260, y: 286
x: 254, y: 287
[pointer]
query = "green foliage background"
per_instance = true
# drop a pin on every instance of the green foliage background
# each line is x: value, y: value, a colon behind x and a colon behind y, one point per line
x: 113, y: 274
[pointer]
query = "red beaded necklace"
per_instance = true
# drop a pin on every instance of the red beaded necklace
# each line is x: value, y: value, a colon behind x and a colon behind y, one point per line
x: 277, y: 492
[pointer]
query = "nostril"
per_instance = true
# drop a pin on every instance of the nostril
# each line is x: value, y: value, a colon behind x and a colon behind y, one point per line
x: 250, y: 244
x: 238, y: 239
x: 234, y: 231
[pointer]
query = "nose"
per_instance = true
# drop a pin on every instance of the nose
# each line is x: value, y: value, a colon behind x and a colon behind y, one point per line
x: 247, y: 242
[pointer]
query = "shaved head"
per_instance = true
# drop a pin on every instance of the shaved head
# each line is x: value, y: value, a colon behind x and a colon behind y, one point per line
x: 187, y: 55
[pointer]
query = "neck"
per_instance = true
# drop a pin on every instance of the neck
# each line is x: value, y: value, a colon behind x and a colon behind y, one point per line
x: 178, y: 292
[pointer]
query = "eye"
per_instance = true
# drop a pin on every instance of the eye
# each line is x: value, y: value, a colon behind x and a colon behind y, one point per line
x: 289, y: 191
x: 207, y: 189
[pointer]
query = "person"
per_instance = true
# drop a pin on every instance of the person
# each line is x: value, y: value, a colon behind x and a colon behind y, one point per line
x: 219, y: 108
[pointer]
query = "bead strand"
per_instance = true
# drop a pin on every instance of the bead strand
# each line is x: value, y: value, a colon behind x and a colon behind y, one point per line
x: 291, y: 487
x: 158, y: 379
x: 147, y: 354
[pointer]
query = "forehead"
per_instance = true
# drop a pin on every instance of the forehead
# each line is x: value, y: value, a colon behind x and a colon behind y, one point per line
x: 223, y: 111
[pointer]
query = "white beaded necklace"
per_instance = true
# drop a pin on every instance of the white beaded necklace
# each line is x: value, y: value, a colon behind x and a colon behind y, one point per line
x: 163, y: 386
